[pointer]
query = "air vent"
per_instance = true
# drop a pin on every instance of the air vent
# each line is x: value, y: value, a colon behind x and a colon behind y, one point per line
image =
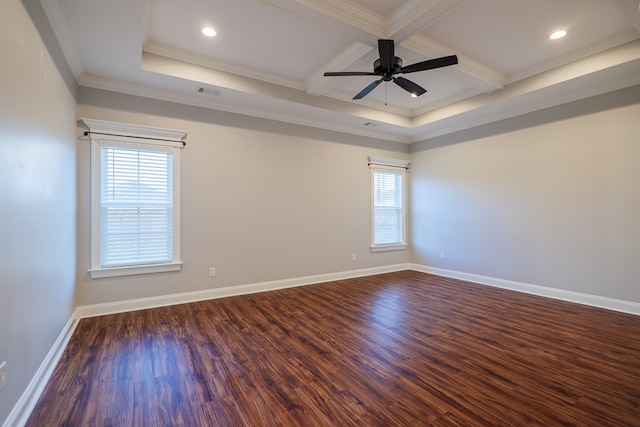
x: 208, y: 91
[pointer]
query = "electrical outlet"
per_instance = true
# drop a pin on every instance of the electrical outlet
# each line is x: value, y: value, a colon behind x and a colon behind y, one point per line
x: 354, y: 257
x: 443, y: 255
x: 212, y: 271
x: 3, y: 375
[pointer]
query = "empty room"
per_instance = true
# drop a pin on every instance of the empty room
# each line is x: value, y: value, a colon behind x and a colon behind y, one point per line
x: 319, y: 213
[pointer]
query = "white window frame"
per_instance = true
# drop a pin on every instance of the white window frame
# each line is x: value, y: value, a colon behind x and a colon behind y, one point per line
x: 399, y: 166
x: 102, y: 133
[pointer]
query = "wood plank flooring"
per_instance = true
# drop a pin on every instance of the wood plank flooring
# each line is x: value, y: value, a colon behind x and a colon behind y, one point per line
x: 397, y: 349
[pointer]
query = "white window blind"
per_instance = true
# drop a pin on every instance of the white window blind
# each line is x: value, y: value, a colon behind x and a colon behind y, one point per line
x: 388, y: 211
x: 136, y: 187
x: 387, y: 207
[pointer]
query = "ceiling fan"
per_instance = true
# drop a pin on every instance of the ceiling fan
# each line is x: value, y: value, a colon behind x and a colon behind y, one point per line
x: 388, y: 65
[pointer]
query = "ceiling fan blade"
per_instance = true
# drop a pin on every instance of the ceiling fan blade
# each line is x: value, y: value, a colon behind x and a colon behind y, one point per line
x: 364, y: 92
x: 348, y: 73
x: 430, y: 64
x: 387, y: 54
x: 409, y: 86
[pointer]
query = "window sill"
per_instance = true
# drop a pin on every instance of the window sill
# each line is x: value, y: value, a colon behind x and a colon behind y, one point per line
x: 99, y: 273
x: 383, y: 248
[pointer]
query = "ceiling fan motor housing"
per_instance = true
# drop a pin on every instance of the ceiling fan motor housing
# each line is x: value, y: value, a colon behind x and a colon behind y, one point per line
x: 387, y: 75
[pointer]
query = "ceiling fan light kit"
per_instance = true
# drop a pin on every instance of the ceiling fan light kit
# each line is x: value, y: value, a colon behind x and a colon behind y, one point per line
x: 388, y: 65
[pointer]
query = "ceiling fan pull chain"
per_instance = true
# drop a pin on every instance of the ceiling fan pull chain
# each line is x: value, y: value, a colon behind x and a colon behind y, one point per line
x: 385, y: 94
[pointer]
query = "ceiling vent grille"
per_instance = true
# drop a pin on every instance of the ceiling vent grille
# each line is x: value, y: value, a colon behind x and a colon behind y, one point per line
x: 208, y: 91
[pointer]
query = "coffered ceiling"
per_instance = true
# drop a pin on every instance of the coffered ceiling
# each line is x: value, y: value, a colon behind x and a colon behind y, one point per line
x: 269, y: 56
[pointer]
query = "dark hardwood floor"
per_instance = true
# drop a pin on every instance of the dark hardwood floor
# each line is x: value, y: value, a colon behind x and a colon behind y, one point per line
x: 398, y: 349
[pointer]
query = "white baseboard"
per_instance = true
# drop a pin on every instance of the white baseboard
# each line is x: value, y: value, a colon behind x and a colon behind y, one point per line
x: 21, y: 411
x: 560, y: 294
x: 186, y: 297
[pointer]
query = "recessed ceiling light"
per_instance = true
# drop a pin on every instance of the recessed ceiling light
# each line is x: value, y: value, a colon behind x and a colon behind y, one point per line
x: 209, y: 32
x: 414, y: 95
x: 558, y: 35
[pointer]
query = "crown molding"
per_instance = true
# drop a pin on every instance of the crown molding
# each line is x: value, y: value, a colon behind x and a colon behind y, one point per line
x: 468, y: 70
x: 469, y: 93
x: 60, y: 27
x: 216, y: 64
x: 630, y: 9
x: 375, y: 105
x: 146, y: 21
x: 575, y: 55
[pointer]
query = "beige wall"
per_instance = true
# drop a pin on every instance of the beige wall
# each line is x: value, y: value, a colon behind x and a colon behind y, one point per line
x: 261, y: 200
x: 551, y: 198
x: 37, y: 202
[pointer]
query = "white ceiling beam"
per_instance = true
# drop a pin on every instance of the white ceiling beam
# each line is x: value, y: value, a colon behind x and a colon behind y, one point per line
x: 354, y: 56
x: 468, y: 70
x: 415, y: 15
x: 341, y: 16
x: 361, y: 24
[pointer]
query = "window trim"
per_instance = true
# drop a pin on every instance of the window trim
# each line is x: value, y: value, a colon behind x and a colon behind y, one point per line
x: 131, y: 136
x: 395, y: 165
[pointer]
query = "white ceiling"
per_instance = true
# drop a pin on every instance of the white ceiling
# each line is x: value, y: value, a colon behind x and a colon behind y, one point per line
x: 269, y: 56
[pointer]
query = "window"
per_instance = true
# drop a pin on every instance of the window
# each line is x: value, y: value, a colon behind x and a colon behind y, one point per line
x: 388, y: 214
x: 135, y: 199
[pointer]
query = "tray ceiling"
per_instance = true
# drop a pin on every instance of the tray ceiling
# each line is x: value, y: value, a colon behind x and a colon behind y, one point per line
x: 269, y: 56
